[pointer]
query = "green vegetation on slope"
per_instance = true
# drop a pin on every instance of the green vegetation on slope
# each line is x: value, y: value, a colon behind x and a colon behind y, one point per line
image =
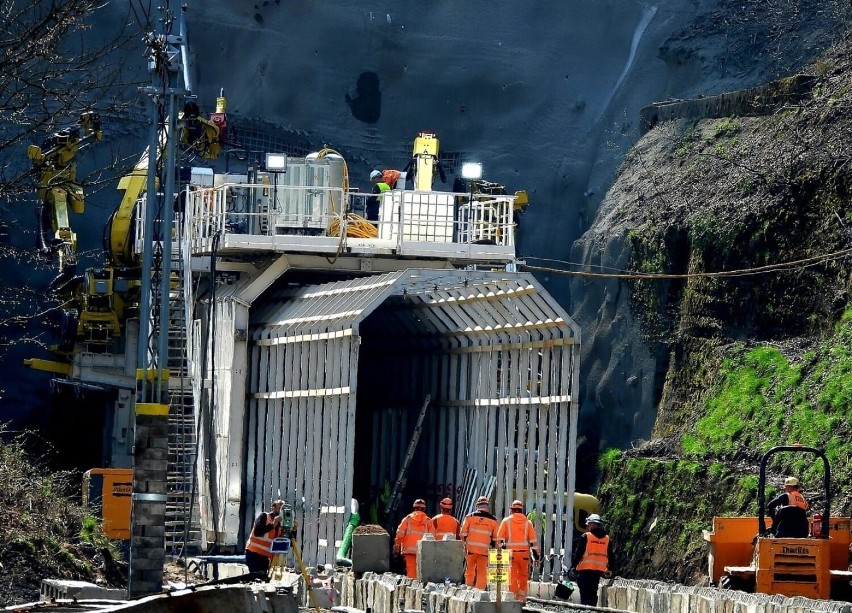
x: 762, y: 400
x: 43, y: 532
x: 755, y: 360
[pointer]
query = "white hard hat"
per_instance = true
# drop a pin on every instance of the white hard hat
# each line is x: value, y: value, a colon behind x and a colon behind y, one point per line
x: 375, y: 175
x: 791, y: 481
x: 593, y: 518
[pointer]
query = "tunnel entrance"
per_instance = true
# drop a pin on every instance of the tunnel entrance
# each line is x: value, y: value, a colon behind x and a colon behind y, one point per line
x: 338, y: 374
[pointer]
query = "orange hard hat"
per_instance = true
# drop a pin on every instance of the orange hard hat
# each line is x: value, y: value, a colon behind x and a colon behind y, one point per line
x: 517, y: 504
x: 482, y: 500
x: 446, y: 503
x: 419, y: 503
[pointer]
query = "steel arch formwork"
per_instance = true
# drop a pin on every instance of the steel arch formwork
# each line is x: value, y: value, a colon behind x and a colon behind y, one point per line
x: 337, y: 373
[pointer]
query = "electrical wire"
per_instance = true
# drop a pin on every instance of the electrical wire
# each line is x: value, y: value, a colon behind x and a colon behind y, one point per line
x: 743, y: 272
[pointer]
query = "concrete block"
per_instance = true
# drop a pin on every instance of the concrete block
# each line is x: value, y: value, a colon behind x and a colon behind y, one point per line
x: 542, y: 589
x: 151, y: 465
x: 506, y: 606
x: 370, y: 553
x: 141, y: 587
x: 142, y: 564
x: 439, y: 560
x: 81, y: 590
x: 326, y: 597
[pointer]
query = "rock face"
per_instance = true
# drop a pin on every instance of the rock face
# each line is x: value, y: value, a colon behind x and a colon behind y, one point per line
x: 546, y: 96
x: 744, y: 360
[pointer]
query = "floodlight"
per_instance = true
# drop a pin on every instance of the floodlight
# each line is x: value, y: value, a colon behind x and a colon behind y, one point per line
x: 471, y: 170
x: 276, y: 162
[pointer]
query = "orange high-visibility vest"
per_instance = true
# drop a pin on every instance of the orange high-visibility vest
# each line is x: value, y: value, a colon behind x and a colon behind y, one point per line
x: 795, y: 499
x: 477, y: 532
x: 262, y: 544
x: 390, y: 177
x: 411, y: 530
x: 518, y: 533
x: 595, y: 557
x: 445, y: 524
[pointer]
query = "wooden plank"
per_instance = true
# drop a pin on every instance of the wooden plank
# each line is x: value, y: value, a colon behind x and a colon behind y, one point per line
x: 251, y: 443
x: 262, y: 469
x: 352, y: 382
x: 339, y: 457
x: 327, y: 452
x: 463, y: 443
x: 504, y: 457
x: 313, y: 475
x: 295, y: 449
x: 535, y: 462
x: 274, y: 430
x: 519, y: 418
x: 552, y: 445
x: 564, y: 379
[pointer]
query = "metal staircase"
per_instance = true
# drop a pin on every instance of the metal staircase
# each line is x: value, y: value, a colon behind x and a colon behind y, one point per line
x: 183, y: 533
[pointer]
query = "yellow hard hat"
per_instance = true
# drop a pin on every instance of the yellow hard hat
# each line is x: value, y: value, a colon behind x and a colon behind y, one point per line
x: 791, y: 481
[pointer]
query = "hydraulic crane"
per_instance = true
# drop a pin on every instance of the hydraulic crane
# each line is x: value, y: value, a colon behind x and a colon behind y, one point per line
x: 59, y: 189
x: 98, y: 301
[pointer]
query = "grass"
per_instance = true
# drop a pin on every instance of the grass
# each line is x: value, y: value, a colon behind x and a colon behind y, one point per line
x: 44, y: 531
x: 765, y: 400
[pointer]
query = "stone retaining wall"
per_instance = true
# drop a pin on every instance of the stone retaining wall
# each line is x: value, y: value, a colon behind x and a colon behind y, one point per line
x: 762, y: 100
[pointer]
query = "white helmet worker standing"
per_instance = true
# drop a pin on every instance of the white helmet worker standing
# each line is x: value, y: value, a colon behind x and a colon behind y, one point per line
x: 592, y: 559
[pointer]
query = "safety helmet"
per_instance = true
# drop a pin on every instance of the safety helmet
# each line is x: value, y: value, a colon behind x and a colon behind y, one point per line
x: 446, y: 503
x: 482, y: 501
x: 594, y: 518
x: 792, y: 481
x: 517, y: 505
x: 375, y: 175
x: 419, y: 503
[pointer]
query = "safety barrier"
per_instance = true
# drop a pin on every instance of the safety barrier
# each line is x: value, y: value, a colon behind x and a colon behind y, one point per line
x: 404, y: 217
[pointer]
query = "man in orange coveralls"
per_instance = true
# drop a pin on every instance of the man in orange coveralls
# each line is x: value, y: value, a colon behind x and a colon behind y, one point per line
x: 411, y: 530
x: 479, y: 532
x: 445, y: 523
x: 517, y: 534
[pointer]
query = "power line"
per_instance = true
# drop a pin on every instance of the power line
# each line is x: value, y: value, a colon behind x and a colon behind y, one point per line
x: 743, y: 272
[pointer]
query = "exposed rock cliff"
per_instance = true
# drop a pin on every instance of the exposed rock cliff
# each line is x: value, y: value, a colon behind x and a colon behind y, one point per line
x: 739, y: 330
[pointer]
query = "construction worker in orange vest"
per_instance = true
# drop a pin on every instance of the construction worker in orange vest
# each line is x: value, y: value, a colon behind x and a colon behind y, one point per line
x: 411, y: 530
x: 517, y: 534
x: 591, y: 559
x: 388, y: 176
x: 479, y: 533
x: 445, y: 523
x: 266, y: 527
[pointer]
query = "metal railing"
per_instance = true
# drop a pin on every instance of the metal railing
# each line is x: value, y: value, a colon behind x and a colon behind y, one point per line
x: 405, y: 217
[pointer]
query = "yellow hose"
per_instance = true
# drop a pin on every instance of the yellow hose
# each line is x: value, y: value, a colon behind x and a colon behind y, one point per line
x: 356, y: 227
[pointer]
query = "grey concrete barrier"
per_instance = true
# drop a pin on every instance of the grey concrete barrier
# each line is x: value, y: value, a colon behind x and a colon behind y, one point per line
x: 645, y: 596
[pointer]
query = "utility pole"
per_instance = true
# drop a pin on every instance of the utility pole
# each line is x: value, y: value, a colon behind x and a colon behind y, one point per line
x: 168, y: 59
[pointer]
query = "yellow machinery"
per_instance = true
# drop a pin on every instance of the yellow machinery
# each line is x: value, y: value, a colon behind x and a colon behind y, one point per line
x: 109, y: 490
x: 584, y: 505
x: 58, y: 188
x: 425, y: 154
x: 744, y: 553
x: 98, y: 318
x: 104, y: 297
